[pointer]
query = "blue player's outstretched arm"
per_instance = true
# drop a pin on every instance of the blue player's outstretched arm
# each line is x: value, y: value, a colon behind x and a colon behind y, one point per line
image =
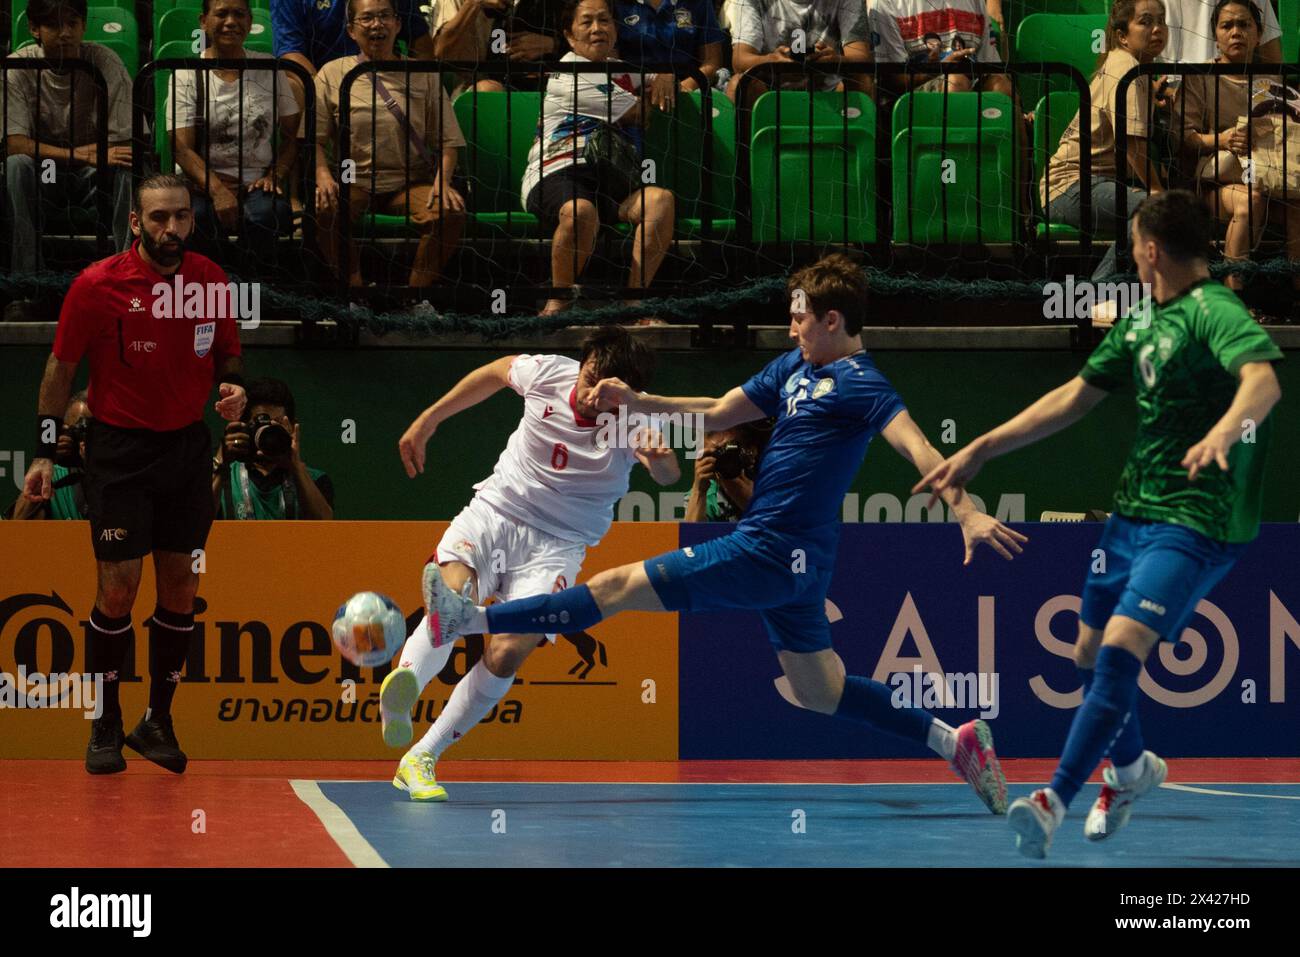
x: 907, y: 439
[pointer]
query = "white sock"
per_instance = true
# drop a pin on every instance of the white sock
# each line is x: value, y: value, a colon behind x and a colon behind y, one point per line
x: 1131, y: 773
x: 472, y: 698
x: 476, y: 624
x: 1058, y: 808
x: 420, y: 656
x: 942, y: 740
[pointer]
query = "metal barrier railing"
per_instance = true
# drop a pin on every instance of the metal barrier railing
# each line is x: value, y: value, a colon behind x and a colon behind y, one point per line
x: 147, y: 115
x: 104, y: 174
x: 1253, y: 70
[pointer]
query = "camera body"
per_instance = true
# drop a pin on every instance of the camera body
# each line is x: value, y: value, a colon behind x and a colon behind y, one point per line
x: 730, y: 460
x: 266, y: 436
x: 69, y: 453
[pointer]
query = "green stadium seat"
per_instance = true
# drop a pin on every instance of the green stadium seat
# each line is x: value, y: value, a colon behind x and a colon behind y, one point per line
x: 1049, y: 123
x: 162, y: 6
x: 1288, y: 16
x: 831, y: 164
x: 675, y: 141
x: 979, y: 191
x: 1073, y: 39
x: 182, y: 23
x: 108, y: 26
x: 495, y: 159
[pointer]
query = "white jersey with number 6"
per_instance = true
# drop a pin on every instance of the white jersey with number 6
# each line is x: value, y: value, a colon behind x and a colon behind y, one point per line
x: 552, y: 474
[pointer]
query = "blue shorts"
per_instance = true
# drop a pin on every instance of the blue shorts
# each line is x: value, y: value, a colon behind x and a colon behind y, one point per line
x: 735, y: 571
x: 1155, y: 573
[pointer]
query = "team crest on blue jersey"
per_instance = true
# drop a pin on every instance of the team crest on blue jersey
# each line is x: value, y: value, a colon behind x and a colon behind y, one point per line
x: 822, y: 387
x: 684, y: 19
x: 204, y: 334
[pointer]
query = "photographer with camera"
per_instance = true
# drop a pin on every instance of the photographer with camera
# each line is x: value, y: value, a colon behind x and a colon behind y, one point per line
x: 258, y: 472
x: 68, y: 498
x: 724, y: 473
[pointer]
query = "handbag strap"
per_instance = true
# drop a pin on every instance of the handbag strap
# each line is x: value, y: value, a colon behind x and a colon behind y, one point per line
x: 412, y: 133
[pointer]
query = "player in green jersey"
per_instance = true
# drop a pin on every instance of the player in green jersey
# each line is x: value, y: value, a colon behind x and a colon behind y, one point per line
x: 1188, y: 500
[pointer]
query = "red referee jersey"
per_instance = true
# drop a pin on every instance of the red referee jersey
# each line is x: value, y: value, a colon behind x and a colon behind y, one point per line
x: 146, y: 371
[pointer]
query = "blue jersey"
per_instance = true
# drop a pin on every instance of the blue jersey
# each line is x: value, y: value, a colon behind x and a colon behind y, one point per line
x: 826, y: 416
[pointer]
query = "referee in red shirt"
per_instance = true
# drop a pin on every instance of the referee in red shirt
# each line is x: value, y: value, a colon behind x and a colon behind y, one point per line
x: 148, y: 453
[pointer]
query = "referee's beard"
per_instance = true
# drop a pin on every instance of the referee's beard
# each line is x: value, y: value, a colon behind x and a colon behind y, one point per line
x: 167, y: 252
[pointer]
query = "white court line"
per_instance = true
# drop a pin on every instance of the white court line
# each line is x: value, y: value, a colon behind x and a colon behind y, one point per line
x: 1240, y: 794
x: 338, y: 824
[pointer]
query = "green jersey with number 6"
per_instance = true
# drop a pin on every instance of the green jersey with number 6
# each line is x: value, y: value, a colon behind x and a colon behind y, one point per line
x: 1183, y: 359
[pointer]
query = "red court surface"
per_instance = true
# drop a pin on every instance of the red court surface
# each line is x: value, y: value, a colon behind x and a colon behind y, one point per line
x: 53, y: 814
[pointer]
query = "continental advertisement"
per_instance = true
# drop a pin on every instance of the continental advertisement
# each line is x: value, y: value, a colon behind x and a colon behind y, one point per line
x: 263, y: 679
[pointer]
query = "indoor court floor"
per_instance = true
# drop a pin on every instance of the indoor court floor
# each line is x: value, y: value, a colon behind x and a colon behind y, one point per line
x: 1212, y: 813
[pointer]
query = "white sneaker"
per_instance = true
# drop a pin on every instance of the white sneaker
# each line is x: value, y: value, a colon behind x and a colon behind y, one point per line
x: 1035, y: 819
x: 1114, y: 804
x: 397, y: 696
x: 447, y: 610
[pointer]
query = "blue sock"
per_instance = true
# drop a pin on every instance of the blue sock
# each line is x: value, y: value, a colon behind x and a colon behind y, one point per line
x: 569, y: 610
x: 1128, y: 747
x: 871, y: 702
x: 1098, y: 722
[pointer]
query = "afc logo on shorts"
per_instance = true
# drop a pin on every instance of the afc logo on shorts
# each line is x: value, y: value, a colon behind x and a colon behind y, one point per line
x: 113, y: 535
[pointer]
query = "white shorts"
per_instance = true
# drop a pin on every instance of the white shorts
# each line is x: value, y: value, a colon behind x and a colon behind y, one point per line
x: 511, y: 559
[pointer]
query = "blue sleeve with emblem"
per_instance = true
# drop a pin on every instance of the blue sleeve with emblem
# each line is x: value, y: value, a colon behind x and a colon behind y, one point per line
x: 764, y: 389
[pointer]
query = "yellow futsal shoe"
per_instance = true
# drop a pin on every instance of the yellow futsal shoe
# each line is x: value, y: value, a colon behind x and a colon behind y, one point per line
x: 415, y: 777
x: 397, y: 696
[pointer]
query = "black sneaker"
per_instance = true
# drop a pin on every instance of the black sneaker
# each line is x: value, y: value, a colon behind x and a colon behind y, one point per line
x: 154, y: 739
x: 104, y: 753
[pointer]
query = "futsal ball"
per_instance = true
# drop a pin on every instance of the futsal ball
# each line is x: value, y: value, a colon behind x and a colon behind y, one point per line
x: 369, y: 629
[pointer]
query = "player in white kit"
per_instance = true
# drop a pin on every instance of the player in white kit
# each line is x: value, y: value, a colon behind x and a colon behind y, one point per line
x: 527, y: 528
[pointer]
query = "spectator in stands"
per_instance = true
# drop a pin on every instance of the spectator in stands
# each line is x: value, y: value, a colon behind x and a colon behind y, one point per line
x: 64, y: 127
x: 797, y: 31
x: 258, y: 471
x: 684, y: 33
x: 1211, y: 111
x: 725, y: 472
x: 68, y: 500
x: 314, y: 32
x: 936, y: 31
x: 571, y: 195
x: 224, y: 125
x: 529, y: 32
x: 1193, y: 39
x: 311, y: 33
x: 1135, y: 33
x: 404, y: 164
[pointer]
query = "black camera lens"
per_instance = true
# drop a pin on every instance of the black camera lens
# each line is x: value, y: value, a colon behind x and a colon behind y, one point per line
x: 729, y: 461
x: 269, y: 437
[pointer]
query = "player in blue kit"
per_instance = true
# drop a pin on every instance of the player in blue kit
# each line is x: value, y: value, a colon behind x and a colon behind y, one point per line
x: 829, y: 400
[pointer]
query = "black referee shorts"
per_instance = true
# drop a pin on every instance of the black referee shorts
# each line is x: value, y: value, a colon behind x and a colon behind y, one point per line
x: 148, y: 490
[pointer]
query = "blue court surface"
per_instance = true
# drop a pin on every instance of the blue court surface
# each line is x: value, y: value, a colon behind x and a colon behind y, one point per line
x: 489, y: 824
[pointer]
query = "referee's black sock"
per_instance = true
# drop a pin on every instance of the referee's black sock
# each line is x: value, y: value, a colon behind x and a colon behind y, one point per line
x: 169, y: 643
x: 106, y: 647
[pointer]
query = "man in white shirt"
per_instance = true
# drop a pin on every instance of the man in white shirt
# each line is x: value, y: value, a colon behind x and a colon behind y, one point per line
x: 1191, y: 35
x: 796, y: 31
x: 526, y: 530
x: 930, y: 32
